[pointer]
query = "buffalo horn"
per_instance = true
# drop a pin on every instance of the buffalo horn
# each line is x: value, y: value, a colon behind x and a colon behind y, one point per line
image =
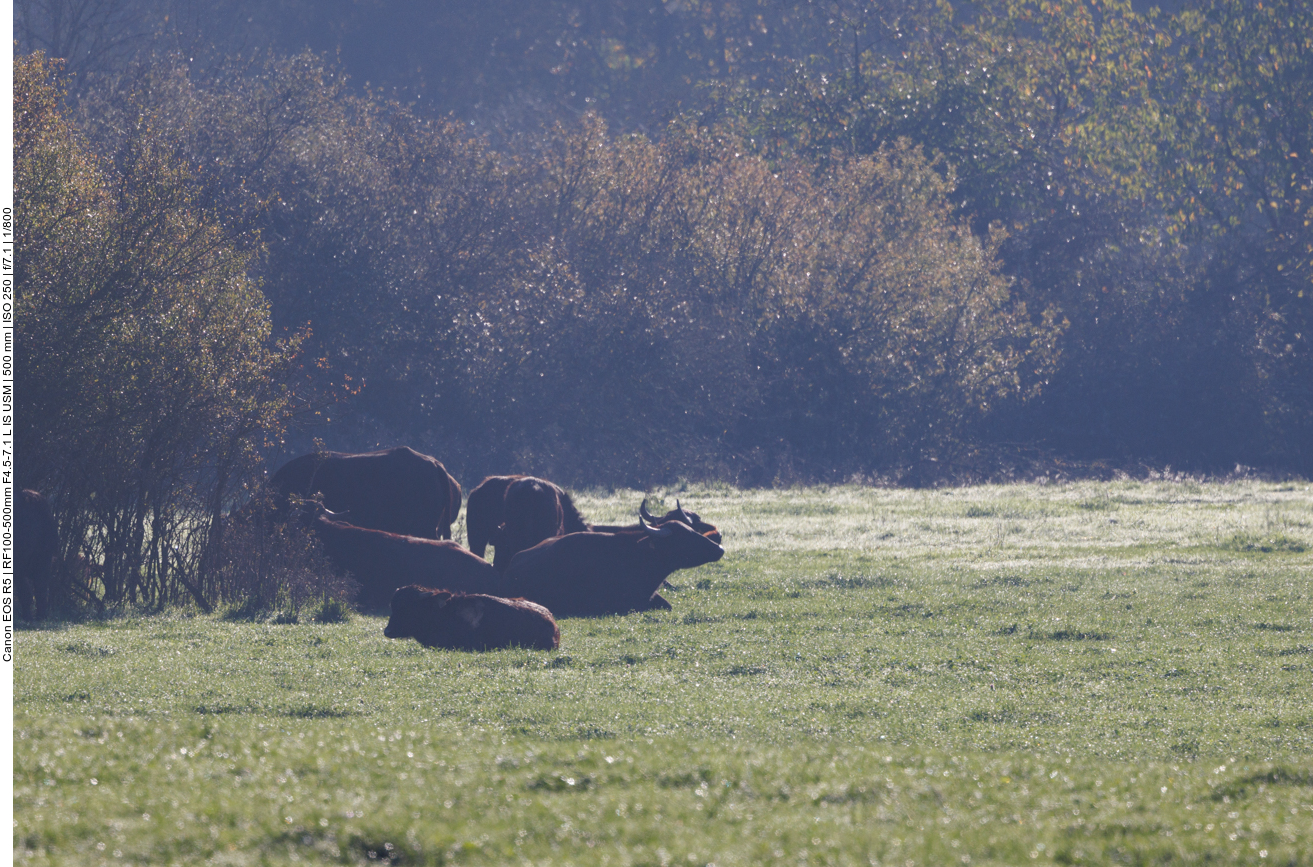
x: 654, y: 531
x: 642, y: 510
x: 684, y: 516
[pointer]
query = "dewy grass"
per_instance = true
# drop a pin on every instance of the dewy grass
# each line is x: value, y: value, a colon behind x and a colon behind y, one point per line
x: 991, y: 675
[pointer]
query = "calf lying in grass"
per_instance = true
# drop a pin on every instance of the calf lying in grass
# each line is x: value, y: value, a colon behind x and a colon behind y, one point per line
x: 469, y: 621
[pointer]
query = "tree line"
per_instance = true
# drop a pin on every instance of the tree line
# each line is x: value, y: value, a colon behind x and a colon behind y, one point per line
x: 875, y: 239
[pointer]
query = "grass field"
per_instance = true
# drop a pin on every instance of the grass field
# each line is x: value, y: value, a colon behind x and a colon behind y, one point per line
x: 1081, y: 673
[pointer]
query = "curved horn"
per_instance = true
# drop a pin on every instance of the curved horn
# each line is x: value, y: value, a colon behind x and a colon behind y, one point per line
x: 655, y: 532
x: 683, y: 516
x: 642, y: 511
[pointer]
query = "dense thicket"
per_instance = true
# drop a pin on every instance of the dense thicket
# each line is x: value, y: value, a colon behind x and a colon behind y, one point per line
x: 147, y: 376
x: 1153, y: 178
x: 609, y: 309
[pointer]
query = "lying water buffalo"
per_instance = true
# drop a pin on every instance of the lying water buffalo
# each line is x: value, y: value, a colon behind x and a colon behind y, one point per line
x: 594, y: 574
x: 470, y: 621
x: 36, y: 544
x: 381, y: 561
x: 692, y: 519
x: 398, y: 490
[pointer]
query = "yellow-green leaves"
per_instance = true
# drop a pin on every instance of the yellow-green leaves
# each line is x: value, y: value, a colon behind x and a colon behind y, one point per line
x: 146, y: 360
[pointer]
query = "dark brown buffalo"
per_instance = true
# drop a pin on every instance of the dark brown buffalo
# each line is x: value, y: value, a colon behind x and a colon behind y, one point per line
x: 398, y: 490
x: 595, y: 574
x: 532, y: 510
x: 381, y: 561
x: 36, y: 544
x: 470, y: 621
x: 485, y: 511
x: 517, y: 512
x: 693, y: 519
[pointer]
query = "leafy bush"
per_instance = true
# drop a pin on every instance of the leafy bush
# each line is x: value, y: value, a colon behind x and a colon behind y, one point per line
x: 703, y: 306
x: 149, y: 375
x: 609, y: 309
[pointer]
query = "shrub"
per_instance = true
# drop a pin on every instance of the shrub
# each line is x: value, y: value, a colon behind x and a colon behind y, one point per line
x: 148, y: 370
x: 268, y: 565
x: 689, y: 303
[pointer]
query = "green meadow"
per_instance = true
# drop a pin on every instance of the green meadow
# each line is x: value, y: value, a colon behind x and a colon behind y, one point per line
x: 1084, y: 673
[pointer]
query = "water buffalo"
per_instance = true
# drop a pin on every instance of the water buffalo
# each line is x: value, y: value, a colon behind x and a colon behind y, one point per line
x: 470, y: 621
x: 537, y: 505
x: 484, y: 512
x: 36, y: 544
x: 533, y: 510
x: 594, y: 574
x: 398, y: 490
x: 381, y: 561
x: 693, y: 519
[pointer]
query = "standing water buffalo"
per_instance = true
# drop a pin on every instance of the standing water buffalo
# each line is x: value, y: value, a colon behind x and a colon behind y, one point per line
x: 594, y: 574
x: 533, y: 510
x: 484, y: 511
x: 398, y: 490
x: 524, y: 506
x: 470, y: 621
x: 36, y: 543
x: 381, y: 561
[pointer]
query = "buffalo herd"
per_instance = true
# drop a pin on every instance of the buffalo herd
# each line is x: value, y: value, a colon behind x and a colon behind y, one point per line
x: 386, y: 517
